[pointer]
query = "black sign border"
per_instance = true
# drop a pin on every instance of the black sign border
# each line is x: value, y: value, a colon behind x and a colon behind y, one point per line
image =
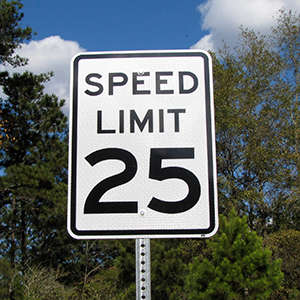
x: 163, y: 233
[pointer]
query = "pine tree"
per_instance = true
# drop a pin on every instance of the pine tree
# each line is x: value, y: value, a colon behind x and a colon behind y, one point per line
x: 33, y: 162
x: 11, y: 33
x: 239, y: 266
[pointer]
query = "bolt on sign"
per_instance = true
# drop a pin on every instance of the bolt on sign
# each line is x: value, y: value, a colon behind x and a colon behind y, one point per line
x: 142, y: 159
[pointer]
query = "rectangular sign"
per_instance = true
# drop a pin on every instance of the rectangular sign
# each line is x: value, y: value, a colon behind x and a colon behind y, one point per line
x: 142, y: 159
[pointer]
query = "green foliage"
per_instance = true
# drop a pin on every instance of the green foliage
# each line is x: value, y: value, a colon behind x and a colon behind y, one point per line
x: 257, y: 126
x: 239, y: 267
x: 115, y: 277
x: 34, y: 157
x: 32, y: 123
x: 10, y: 281
x: 11, y: 34
x: 43, y: 284
x: 87, y: 261
x: 125, y: 263
x: 101, y: 286
x: 167, y: 269
x: 33, y: 152
x: 285, y: 245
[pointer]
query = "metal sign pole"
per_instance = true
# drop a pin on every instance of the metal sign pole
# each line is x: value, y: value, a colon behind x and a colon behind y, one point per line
x: 143, y: 269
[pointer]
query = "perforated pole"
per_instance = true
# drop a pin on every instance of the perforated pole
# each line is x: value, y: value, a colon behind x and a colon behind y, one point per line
x: 143, y: 269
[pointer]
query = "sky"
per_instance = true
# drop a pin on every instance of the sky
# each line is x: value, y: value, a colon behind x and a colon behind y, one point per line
x: 67, y: 27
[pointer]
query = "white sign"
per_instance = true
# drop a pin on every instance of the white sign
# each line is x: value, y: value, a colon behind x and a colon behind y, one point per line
x: 142, y: 145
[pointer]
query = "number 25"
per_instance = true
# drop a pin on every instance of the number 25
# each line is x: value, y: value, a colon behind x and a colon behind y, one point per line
x: 93, y: 205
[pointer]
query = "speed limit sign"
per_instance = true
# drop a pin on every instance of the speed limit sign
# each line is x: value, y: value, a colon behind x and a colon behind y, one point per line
x: 142, y: 159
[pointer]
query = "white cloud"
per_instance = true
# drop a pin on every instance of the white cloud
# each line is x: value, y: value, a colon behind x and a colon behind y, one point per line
x: 50, y: 54
x: 222, y: 19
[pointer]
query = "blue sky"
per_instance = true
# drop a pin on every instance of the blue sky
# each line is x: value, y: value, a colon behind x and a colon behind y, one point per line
x: 67, y: 27
x: 99, y: 25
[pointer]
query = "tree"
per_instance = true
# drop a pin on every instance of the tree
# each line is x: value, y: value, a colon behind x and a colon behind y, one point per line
x: 33, y: 153
x: 286, y: 114
x: 10, y: 283
x: 11, y: 33
x: 239, y: 266
x: 167, y: 269
x: 33, y: 161
x: 257, y: 125
x: 285, y: 245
